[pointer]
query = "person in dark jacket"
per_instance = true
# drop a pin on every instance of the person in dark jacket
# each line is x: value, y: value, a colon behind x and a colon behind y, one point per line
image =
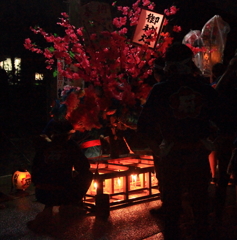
x: 227, y: 91
x: 60, y: 171
x: 175, y: 121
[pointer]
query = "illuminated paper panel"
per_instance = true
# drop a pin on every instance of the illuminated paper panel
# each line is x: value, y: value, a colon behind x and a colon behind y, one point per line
x: 148, y: 20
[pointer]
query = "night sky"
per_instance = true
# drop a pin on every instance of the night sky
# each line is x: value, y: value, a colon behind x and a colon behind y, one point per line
x: 16, y: 16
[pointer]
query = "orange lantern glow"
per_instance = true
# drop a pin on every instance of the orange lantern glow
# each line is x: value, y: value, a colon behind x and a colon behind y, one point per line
x: 121, y: 181
x: 134, y: 180
x: 21, y: 180
x: 95, y: 185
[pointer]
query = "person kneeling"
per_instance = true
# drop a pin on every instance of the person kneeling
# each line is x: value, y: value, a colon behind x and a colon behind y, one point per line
x: 60, y: 171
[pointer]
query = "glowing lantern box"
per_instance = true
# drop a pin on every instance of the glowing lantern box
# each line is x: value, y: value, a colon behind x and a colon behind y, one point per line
x: 125, y: 180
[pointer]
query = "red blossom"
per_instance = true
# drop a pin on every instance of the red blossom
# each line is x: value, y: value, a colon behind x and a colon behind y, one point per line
x: 106, y: 59
x: 93, y: 36
x: 151, y: 6
x: 124, y: 10
x: 47, y: 53
x: 119, y: 22
x: 28, y: 44
x: 65, y: 15
x: 49, y: 38
x: 143, y: 91
x: 177, y: 28
x: 123, y: 31
x: 146, y: 3
x: 171, y: 11
x: 167, y: 12
x: 80, y: 31
x: 166, y: 22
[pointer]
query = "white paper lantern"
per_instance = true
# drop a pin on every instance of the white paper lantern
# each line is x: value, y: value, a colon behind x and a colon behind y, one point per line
x: 21, y: 180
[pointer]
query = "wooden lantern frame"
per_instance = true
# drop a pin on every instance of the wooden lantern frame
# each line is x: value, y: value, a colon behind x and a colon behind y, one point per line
x: 111, y: 170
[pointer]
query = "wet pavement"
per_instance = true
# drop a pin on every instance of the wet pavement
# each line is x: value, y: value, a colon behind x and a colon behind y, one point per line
x: 132, y: 222
x: 122, y: 224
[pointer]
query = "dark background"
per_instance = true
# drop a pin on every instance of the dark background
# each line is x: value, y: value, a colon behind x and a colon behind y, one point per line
x: 25, y: 105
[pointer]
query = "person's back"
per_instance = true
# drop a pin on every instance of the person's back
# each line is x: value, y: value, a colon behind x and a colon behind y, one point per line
x: 54, y: 162
x: 60, y: 172
x: 183, y: 106
x: 227, y: 90
x: 175, y: 121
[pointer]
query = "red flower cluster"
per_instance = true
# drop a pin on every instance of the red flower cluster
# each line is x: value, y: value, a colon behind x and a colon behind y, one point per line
x: 173, y: 10
x: 106, y: 60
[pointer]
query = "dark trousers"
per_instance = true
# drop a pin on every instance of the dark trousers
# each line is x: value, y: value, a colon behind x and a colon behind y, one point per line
x: 158, y: 171
x: 185, y: 170
x: 224, y: 147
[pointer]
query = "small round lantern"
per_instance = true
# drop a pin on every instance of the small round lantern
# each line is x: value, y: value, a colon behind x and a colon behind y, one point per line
x: 21, y: 179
